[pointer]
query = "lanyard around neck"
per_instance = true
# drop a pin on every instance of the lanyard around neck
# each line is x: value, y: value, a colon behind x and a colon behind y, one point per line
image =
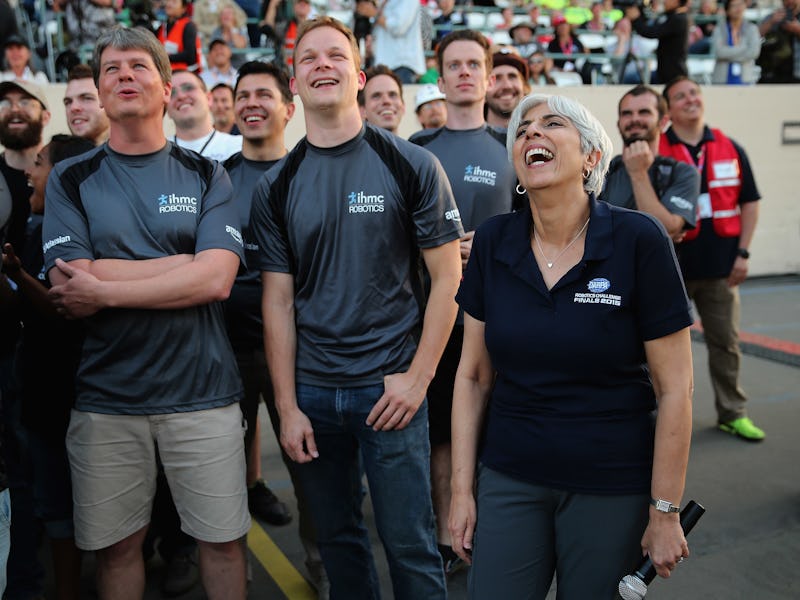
x: 208, y: 141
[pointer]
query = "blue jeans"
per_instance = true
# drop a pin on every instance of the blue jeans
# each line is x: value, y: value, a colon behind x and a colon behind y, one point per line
x: 397, y: 464
x: 24, y: 571
x: 5, y: 536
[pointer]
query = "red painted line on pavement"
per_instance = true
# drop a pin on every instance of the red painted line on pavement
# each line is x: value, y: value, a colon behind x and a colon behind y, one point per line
x: 763, y: 341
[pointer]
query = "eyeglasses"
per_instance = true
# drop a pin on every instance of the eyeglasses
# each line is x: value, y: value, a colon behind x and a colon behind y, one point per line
x: 536, y: 61
x: 186, y: 88
x: 23, y: 103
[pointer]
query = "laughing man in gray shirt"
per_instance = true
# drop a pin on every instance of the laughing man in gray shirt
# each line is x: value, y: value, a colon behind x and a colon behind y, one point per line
x: 339, y: 223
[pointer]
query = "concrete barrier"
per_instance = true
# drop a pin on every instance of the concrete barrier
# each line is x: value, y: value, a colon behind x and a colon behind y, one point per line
x: 765, y: 120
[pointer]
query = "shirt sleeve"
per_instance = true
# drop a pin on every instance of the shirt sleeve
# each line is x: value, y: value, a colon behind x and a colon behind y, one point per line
x: 65, y: 230
x: 749, y: 191
x: 658, y: 27
x: 219, y: 224
x: 269, y: 230
x: 680, y: 195
x: 436, y: 217
x: 470, y: 296
x: 400, y: 16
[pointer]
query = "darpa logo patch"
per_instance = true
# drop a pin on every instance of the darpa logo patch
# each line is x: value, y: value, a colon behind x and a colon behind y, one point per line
x: 597, y: 288
x: 598, y: 285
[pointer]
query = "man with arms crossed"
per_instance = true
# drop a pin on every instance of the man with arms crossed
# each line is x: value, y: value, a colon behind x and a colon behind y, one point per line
x: 339, y: 222
x: 142, y: 241
x: 475, y: 159
x: 639, y: 178
x: 713, y: 256
x: 85, y: 117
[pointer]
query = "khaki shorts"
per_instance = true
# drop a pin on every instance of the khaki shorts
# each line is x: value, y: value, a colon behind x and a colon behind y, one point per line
x: 113, y: 463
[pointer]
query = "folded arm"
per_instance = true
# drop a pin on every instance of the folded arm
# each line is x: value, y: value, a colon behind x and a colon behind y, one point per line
x: 83, y: 287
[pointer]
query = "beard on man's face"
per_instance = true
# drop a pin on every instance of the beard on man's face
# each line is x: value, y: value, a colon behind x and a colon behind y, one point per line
x: 21, y: 139
x: 647, y: 135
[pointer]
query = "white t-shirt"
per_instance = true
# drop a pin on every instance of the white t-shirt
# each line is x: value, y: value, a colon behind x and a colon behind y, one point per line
x: 216, y: 145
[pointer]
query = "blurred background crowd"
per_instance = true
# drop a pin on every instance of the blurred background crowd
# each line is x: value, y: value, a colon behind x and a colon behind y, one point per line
x: 564, y: 42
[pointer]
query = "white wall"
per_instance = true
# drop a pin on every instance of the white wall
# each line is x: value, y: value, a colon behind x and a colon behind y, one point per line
x: 753, y: 116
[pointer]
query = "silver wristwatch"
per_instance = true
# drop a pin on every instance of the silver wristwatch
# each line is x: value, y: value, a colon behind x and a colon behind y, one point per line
x: 664, y: 506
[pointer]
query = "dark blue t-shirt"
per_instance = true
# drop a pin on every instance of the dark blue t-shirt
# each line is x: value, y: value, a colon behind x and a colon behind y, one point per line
x: 572, y: 405
x: 243, y: 307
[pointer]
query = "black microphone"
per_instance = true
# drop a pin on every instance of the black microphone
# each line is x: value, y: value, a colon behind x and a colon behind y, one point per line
x: 634, y: 586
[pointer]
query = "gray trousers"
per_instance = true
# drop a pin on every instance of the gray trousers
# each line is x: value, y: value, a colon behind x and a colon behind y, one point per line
x: 527, y: 533
x: 719, y: 309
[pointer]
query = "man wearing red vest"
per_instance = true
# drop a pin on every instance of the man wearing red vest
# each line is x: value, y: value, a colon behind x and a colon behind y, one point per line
x: 713, y: 256
x: 180, y: 39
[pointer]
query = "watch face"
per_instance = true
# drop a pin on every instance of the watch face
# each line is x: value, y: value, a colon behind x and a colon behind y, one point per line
x: 665, y: 506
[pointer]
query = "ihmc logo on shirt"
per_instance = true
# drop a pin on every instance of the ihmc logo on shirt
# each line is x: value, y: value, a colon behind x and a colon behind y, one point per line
x: 474, y: 174
x: 359, y: 202
x: 175, y: 203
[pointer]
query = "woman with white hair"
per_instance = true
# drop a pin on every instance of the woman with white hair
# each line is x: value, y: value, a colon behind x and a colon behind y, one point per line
x: 575, y: 332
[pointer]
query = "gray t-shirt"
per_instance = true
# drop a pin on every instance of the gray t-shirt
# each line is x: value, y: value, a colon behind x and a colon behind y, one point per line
x: 347, y: 223
x: 243, y: 308
x: 107, y: 205
x: 676, y: 184
x: 477, y: 165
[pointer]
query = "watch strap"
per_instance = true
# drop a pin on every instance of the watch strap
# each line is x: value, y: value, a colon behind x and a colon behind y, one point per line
x: 664, y: 505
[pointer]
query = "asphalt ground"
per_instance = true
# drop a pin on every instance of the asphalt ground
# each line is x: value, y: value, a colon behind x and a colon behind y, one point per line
x: 746, y: 546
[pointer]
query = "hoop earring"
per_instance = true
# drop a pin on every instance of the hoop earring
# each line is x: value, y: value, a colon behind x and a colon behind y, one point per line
x: 520, y: 190
x: 586, y: 174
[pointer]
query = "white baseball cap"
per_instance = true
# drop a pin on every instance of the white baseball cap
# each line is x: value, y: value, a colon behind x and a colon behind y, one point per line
x: 427, y: 93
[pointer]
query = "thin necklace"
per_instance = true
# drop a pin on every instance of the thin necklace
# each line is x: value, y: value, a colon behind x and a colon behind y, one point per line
x: 550, y: 263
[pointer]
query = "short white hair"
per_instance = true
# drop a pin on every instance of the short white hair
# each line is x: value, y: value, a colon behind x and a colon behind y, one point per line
x: 592, y: 133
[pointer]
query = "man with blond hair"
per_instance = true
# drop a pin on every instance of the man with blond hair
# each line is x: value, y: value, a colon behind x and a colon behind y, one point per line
x: 340, y: 222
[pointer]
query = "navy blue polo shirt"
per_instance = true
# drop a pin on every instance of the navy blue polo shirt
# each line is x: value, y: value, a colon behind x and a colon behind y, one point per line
x: 572, y: 405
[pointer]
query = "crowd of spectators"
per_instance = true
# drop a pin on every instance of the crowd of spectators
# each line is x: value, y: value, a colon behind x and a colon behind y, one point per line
x: 462, y: 124
x: 590, y: 41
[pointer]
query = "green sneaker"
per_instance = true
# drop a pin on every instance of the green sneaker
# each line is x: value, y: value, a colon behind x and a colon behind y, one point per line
x: 744, y: 428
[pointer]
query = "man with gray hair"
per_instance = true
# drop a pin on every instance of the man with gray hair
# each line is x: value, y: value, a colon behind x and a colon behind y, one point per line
x: 142, y: 241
